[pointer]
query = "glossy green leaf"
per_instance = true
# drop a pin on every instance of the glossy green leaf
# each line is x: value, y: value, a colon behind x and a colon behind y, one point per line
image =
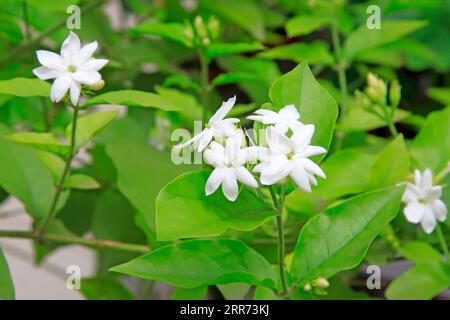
x: 103, y: 288
x: 195, y: 263
x: 81, y: 182
x: 441, y: 95
x: 88, y: 126
x: 338, y: 239
x: 391, y: 165
x: 6, y: 284
x: 358, y: 119
x: 24, y: 87
x: 197, y: 293
x: 38, y: 140
x: 422, y: 282
x: 419, y: 252
x: 132, y: 98
x: 431, y: 147
x: 197, y: 215
x: 315, y: 104
x: 215, y: 50
x: 304, y: 24
x: 314, y: 52
x: 234, y: 77
x: 172, y: 31
x: 364, y: 38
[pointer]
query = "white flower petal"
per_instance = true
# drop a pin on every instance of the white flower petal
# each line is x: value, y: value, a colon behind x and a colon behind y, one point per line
x: 289, y: 112
x: 414, y: 212
x: 417, y: 177
x: 50, y: 59
x: 95, y: 64
x: 86, y: 53
x: 313, y: 151
x: 433, y: 193
x: 190, y: 141
x: 244, y: 176
x: 223, y: 110
x: 310, y: 166
x: 229, y: 185
x: 70, y: 48
x: 214, y: 180
x: 225, y: 127
x: 75, y: 89
x: 45, y: 73
x: 87, y: 77
x: 303, y: 135
x: 205, y: 140
x: 411, y: 194
x: 278, y: 142
x: 428, y: 221
x: 439, y: 210
x: 60, y: 87
x: 213, y: 158
x: 301, y: 178
x: 269, y: 179
x: 281, y: 127
x: 427, y: 179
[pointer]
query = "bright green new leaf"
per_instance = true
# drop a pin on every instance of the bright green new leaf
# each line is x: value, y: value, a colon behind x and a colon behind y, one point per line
x: 40, y: 140
x: 431, y: 147
x: 314, y: 52
x: 24, y: 87
x: 103, y: 288
x: 184, y: 200
x: 54, y: 164
x: 215, y: 50
x: 81, y: 182
x: 422, y: 282
x: 172, y: 31
x: 441, y: 95
x: 419, y: 252
x: 132, y: 98
x: 391, y: 165
x: 88, y: 126
x: 234, y: 77
x: 197, y: 293
x: 364, y: 38
x: 358, y: 119
x: 338, y: 239
x: 304, y: 24
x: 316, y: 106
x: 6, y: 284
x: 195, y: 263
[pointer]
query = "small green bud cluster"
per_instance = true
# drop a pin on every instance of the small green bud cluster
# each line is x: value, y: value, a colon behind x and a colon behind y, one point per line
x: 201, y: 33
x: 317, y: 286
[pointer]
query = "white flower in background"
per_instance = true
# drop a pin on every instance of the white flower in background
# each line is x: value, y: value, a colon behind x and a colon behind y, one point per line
x: 229, y: 167
x: 283, y: 120
x: 72, y: 69
x: 422, y: 203
x: 217, y: 127
x: 289, y: 157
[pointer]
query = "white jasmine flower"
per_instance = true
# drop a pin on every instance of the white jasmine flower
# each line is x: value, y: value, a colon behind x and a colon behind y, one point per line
x: 217, y: 127
x: 422, y: 203
x: 287, y: 118
x: 229, y: 167
x: 73, y: 68
x: 289, y: 157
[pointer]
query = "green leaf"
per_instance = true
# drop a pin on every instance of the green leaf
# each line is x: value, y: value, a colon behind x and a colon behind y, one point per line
x: 315, y: 104
x: 391, y: 165
x: 54, y: 164
x: 81, y: 182
x: 38, y: 140
x: 419, y: 252
x: 314, y: 52
x: 197, y: 215
x: 441, y: 95
x: 243, y: 13
x: 102, y: 288
x: 304, y: 24
x: 338, y: 239
x: 9, y: 29
x: 431, y: 147
x: 24, y: 87
x: 6, y: 284
x: 171, y: 31
x: 363, y: 38
x: 23, y: 175
x: 186, y: 103
x: 215, y: 50
x: 132, y: 98
x: 195, y: 263
x: 234, y: 77
x: 197, y: 293
x: 88, y: 126
x: 422, y: 282
x: 358, y: 119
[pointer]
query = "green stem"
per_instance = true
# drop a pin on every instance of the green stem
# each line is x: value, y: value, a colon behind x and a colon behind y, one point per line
x: 340, y: 66
x: 441, y: 237
x: 278, y: 204
x: 204, y: 83
x: 64, y: 239
x: 389, y: 121
x: 60, y: 185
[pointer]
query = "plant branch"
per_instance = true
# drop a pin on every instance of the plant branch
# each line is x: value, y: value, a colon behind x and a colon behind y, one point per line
x: 204, y: 83
x: 340, y: 66
x: 60, y: 186
x: 65, y: 239
x: 442, y: 240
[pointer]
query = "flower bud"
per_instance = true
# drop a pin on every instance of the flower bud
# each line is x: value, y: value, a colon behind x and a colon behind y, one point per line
x: 97, y: 86
x: 321, y: 283
x: 189, y: 32
x: 395, y: 93
x: 362, y: 99
x: 307, y: 287
x: 200, y: 27
x: 213, y: 27
x: 376, y: 88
